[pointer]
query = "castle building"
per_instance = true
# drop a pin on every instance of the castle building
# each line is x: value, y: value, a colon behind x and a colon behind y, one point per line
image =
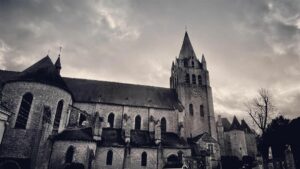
x: 64, y: 123
x: 236, y: 139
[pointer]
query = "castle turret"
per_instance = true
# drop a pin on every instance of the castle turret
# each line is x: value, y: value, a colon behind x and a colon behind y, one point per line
x: 190, y: 79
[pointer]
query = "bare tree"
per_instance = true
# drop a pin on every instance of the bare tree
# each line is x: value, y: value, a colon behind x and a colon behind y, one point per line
x: 261, y: 109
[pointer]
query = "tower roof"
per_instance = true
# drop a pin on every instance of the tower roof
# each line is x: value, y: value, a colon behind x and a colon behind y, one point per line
x: 235, y: 125
x: 245, y: 127
x: 186, y: 50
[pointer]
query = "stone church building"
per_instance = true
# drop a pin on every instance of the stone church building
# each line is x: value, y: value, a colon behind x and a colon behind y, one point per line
x: 59, y: 122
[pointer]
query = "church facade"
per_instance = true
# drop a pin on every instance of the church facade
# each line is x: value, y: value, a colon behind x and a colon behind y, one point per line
x: 59, y: 122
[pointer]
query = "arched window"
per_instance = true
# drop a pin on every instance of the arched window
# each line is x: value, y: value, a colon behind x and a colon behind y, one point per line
x: 191, y: 109
x: 24, y: 111
x: 59, y: 109
x: 69, y: 155
x: 201, y: 110
x: 185, y: 63
x: 187, y: 78
x: 173, y: 159
x: 163, y: 125
x: 111, y: 119
x: 199, y: 80
x: 109, y: 157
x: 137, y: 122
x: 193, y: 79
x: 144, y: 159
x: 193, y: 64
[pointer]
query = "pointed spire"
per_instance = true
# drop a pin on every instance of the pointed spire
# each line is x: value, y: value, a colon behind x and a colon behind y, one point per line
x: 203, y: 59
x: 58, y: 64
x: 186, y: 50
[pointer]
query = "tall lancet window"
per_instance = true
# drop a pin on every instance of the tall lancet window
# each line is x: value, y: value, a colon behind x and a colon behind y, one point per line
x: 187, y: 78
x: 163, y: 125
x: 109, y: 157
x: 137, y: 122
x: 191, y: 109
x: 111, y: 120
x: 199, y: 80
x: 194, y: 79
x: 24, y: 110
x: 144, y: 159
x: 59, y: 109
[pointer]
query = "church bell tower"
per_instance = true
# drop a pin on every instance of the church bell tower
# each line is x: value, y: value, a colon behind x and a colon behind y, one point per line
x: 190, y: 79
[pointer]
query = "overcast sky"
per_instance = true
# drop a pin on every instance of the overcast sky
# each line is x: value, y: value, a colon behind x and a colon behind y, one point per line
x: 248, y: 44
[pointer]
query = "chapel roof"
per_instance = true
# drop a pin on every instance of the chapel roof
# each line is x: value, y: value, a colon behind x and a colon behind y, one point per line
x: 42, y: 71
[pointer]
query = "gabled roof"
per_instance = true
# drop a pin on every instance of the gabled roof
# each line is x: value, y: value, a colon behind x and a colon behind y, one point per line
x: 42, y: 71
x: 186, y: 50
x: 204, y: 137
x: 235, y: 125
x: 123, y: 94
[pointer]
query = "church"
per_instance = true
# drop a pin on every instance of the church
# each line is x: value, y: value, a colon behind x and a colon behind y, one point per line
x: 57, y: 122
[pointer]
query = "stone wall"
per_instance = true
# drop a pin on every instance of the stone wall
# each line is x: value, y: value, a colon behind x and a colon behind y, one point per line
x: 118, y: 157
x: 238, y: 143
x: 42, y: 95
x: 132, y: 111
x: 81, y: 153
x: 136, y: 158
x: 251, y: 144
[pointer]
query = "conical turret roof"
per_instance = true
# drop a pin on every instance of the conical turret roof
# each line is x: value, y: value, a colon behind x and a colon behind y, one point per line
x: 186, y: 50
x: 235, y: 125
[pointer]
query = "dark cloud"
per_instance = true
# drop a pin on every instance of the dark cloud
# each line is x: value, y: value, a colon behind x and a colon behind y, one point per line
x: 248, y: 44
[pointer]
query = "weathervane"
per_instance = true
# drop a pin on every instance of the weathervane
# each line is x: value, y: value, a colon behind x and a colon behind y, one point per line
x: 60, y: 48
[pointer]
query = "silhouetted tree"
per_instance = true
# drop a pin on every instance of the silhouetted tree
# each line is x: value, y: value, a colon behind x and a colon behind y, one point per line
x: 260, y: 110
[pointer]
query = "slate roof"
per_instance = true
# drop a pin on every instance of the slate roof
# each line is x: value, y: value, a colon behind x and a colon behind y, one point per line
x: 6, y: 75
x: 245, y: 127
x: 83, y: 90
x: 186, y: 50
x: 142, y: 138
x: 122, y: 94
x: 82, y: 134
x: 169, y: 139
x: 226, y: 124
x: 42, y: 71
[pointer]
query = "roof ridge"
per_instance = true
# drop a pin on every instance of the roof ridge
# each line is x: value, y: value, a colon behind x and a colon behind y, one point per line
x: 124, y: 83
